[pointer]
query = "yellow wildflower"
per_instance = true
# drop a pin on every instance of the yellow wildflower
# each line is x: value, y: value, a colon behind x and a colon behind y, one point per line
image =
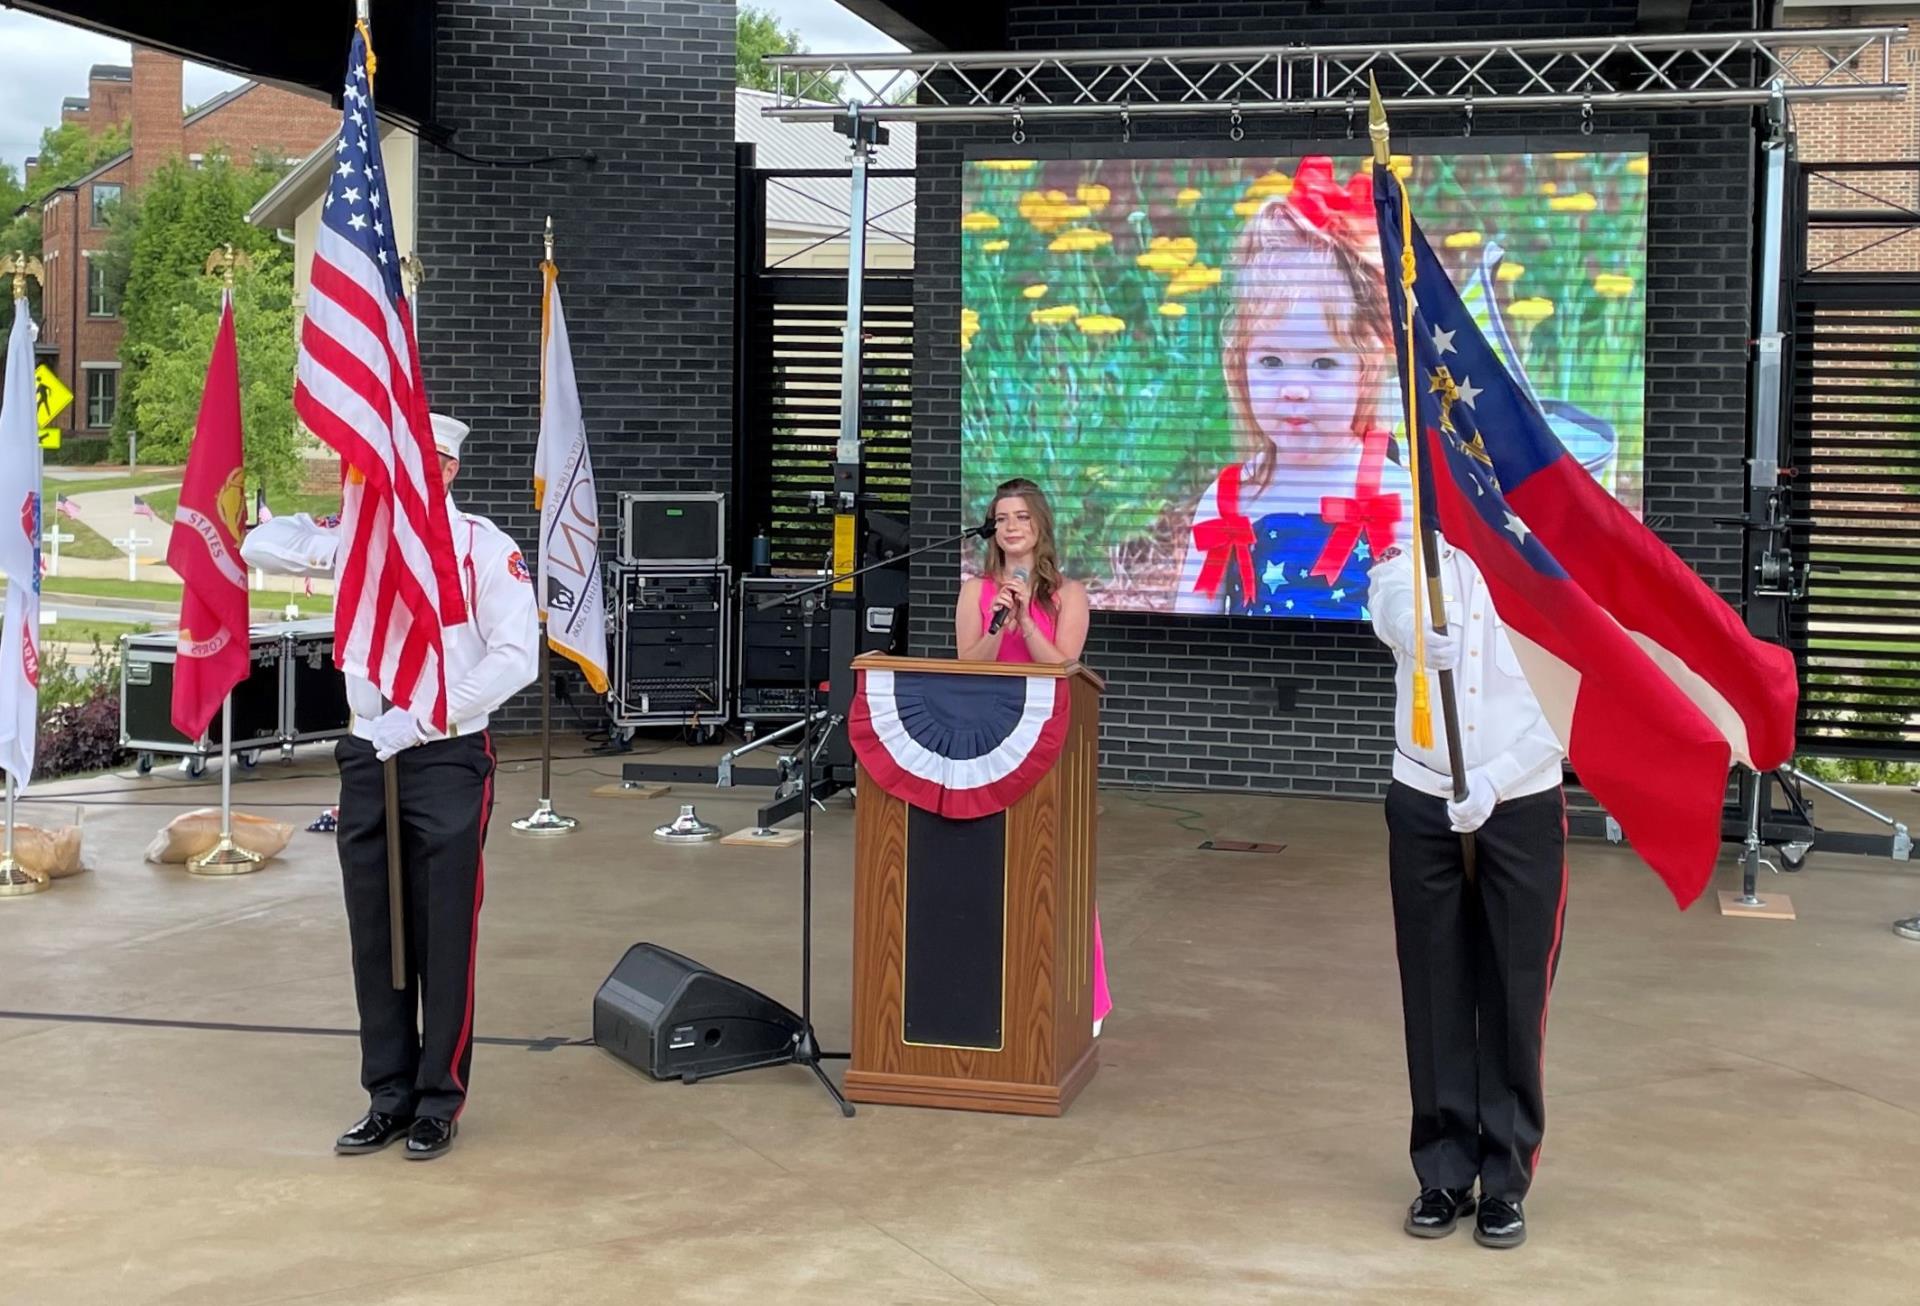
x: 1184, y: 248
x: 1054, y: 316
x: 1530, y: 310
x: 1094, y: 195
x: 1462, y: 240
x: 1171, y: 309
x: 1613, y: 285
x: 1005, y: 165
x: 1049, y: 211
x: 1511, y: 271
x: 969, y: 328
x: 995, y: 246
x: 1187, y: 197
x: 1638, y: 166
x: 979, y: 221
x: 1549, y: 188
x: 1566, y: 155
x: 1194, y: 279
x: 1079, y: 240
x: 1272, y: 184
x: 1099, y: 324
x: 1036, y: 291
x: 1580, y: 202
x: 1247, y: 208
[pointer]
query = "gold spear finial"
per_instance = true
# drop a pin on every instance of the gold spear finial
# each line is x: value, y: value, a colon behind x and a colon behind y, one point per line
x: 22, y: 266
x: 412, y: 273
x: 1377, y: 123
x: 225, y: 259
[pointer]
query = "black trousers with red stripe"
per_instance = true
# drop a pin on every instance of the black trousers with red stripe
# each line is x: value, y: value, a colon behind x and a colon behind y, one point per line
x: 416, y: 1044
x: 1476, y: 964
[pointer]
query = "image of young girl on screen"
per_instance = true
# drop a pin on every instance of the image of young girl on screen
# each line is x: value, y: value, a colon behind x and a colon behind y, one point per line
x: 1307, y: 350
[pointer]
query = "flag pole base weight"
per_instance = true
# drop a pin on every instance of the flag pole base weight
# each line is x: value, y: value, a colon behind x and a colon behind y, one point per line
x: 1768, y: 907
x: 545, y: 821
x: 1908, y: 928
x: 686, y: 828
x: 226, y: 858
x: 16, y: 881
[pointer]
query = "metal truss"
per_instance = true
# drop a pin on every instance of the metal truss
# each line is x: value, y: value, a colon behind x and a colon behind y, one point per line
x: 1691, y: 69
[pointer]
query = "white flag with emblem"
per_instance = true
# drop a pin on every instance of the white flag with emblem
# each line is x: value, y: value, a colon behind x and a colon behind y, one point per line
x: 20, y: 553
x: 568, y: 586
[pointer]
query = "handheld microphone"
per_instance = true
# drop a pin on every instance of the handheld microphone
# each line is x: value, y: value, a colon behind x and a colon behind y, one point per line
x: 1000, y: 617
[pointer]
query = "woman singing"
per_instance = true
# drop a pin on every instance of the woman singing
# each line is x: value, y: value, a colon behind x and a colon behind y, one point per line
x: 1046, y: 620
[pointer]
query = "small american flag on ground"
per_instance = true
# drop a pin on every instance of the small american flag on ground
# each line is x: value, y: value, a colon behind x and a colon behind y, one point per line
x: 360, y: 390
x: 141, y: 508
x: 67, y: 508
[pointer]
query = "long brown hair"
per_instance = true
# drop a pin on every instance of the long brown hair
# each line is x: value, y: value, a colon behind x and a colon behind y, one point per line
x: 1283, y: 256
x: 1046, y: 580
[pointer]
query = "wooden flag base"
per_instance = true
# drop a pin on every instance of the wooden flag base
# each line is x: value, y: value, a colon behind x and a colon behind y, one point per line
x: 632, y: 791
x: 1771, y: 907
x: 753, y: 838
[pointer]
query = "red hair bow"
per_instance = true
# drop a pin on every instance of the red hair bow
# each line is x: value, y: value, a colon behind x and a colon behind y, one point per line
x: 1320, y: 201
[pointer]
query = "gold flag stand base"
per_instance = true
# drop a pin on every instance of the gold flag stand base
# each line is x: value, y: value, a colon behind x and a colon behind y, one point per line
x: 16, y: 881
x: 226, y: 858
x: 753, y: 837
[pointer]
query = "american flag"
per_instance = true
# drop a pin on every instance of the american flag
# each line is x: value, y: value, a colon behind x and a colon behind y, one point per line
x: 67, y: 508
x: 141, y: 508
x: 1647, y: 676
x: 360, y: 389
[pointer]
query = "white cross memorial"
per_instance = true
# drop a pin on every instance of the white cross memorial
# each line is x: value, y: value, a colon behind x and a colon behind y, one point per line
x: 131, y: 543
x: 56, y: 537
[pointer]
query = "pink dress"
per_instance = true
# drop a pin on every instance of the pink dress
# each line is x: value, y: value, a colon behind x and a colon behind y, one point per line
x: 1013, y: 648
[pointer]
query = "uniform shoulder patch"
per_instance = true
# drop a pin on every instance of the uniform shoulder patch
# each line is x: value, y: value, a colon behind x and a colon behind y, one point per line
x: 1388, y: 554
x: 517, y: 567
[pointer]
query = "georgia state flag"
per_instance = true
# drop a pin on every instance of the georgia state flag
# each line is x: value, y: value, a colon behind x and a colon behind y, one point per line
x: 959, y: 746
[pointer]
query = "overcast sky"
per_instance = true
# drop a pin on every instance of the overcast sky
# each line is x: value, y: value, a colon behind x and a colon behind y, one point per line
x: 48, y: 61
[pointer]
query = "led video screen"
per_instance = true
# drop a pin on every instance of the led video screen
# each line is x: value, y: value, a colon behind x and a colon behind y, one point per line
x: 1193, y: 358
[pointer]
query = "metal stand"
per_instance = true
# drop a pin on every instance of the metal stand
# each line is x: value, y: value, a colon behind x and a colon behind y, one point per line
x: 544, y: 819
x: 16, y: 881
x: 225, y: 857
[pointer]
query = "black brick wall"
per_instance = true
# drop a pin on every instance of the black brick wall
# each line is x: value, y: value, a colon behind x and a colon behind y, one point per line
x: 645, y: 243
x: 1190, y: 701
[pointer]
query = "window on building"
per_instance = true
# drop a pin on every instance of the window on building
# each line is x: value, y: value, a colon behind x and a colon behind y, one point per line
x: 103, y: 392
x: 106, y: 194
x: 99, y: 298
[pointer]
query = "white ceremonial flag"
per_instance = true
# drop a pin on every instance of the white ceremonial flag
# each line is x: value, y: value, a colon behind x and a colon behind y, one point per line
x: 568, y: 588
x: 20, y: 553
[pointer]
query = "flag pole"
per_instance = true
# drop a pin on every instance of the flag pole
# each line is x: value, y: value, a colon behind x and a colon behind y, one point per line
x: 16, y: 880
x: 544, y: 820
x: 226, y: 857
x: 1426, y: 536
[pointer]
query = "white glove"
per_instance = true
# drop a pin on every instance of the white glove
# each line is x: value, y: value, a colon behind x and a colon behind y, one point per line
x: 1442, y: 650
x: 1470, y: 813
x: 395, y: 731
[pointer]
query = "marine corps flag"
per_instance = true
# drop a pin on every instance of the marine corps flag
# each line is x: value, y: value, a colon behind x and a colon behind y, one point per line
x: 205, y: 547
x: 568, y: 588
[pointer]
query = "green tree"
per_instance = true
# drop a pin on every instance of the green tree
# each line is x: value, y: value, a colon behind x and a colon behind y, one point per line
x: 163, y: 394
x: 758, y: 34
x: 161, y: 249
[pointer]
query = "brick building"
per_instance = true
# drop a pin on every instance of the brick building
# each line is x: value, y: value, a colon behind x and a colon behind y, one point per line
x: 80, y: 330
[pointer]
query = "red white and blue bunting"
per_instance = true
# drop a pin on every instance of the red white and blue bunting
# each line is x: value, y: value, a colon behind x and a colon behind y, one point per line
x: 960, y: 746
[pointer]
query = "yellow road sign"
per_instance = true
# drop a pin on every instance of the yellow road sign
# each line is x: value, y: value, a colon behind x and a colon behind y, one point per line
x: 49, y: 439
x: 54, y: 396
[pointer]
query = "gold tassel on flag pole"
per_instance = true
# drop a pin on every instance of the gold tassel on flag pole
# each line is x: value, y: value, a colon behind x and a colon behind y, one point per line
x: 226, y: 857
x: 544, y: 820
x: 1426, y: 543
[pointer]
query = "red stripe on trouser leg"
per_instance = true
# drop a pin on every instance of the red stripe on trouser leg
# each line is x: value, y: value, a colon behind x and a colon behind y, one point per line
x: 473, y: 943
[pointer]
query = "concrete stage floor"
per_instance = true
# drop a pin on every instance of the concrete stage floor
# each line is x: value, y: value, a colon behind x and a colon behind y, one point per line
x: 1734, y: 1106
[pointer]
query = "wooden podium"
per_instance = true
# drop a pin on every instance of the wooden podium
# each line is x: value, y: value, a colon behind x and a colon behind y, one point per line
x: 973, y: 938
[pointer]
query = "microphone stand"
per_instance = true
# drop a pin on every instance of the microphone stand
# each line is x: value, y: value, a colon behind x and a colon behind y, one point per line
x: 806, y: 1044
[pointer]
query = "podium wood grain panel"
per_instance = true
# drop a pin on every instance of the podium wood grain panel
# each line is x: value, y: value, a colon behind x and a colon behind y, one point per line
x: 1047, y: 1051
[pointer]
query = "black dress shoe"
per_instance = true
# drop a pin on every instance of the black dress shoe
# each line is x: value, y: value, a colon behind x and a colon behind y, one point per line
x: 1435, y: 1212
x: 1500, y: 1225
x: 371, y: 1132
x: 430, y: 1138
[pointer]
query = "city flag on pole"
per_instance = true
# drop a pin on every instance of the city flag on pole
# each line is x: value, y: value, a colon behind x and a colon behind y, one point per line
x: 214, y: 652
x: 20, y: 554
x: 569, y: 583
x: 1649, y: 678
x: 359, y: 388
